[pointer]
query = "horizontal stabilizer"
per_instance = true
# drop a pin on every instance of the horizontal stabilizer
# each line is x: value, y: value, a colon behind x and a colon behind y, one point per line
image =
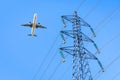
x: 32, y: 35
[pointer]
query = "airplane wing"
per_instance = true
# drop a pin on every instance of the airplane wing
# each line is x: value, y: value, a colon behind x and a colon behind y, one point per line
x: 40, y: 26
x: 28, y: 24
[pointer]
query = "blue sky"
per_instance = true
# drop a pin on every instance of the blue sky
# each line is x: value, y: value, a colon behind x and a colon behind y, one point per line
x: 21, y: 55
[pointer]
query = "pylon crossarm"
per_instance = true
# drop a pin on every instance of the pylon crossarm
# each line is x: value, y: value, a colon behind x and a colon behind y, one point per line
x: 71, y: 34
x: 63, y: 39
x: 92, y: 31
x: 96, y: 47
x: 68, y: 33
x: 86, y: 38
x: 68, y: 17
x: 68, y: 50
x: 83, y: 23
x: 68, y: 47
x: 71, y: 18
x: 100, y: 65
x: 91, y: 56
x: 62, y: 55
x: 64, y: 24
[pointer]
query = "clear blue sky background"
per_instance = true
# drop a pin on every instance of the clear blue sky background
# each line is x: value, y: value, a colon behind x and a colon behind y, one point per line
x: 21, y: 55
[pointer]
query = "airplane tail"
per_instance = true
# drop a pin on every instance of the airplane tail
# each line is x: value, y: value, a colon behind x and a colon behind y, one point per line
x: 32, y: 35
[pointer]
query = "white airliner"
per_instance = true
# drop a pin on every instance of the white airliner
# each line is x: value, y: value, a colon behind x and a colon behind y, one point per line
x: 33, y: 25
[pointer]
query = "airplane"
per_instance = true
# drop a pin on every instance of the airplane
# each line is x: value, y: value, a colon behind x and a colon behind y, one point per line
x: 33, y: 25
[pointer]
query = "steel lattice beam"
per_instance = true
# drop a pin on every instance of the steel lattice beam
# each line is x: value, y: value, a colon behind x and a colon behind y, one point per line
x: 80, y: 65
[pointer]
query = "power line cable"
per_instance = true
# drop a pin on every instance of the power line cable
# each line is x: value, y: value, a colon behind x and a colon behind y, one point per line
x: 50, y: 50
x: 112, y: 39
x: 108, y: 16
x: 116, y: 76
x: 58, y: 65
x: 54, y: 71
x: 44, y: 59
x: 106, y: 22
x: 96, y: 5
x: 83, y: 1
x: 45, y: 70
x: 47, y: 67
x: 108, y: 42
x: 105, y: 45
x: 114, y: 60
x: 64, y: 73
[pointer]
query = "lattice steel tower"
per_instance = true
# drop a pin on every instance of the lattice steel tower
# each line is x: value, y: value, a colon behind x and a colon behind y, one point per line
x: 80, y: 54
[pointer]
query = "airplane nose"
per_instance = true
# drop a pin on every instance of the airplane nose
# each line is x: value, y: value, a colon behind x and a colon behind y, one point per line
x: 35, y: 14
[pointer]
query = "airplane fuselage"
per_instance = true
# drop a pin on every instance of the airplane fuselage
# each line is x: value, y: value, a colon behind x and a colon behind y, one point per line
x: 34, y: 25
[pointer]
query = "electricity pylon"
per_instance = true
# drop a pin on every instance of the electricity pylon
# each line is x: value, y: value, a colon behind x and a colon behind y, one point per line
x: 80, y: 54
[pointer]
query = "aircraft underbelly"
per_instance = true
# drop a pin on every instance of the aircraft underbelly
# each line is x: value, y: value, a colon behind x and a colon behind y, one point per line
x: 33, y: 29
